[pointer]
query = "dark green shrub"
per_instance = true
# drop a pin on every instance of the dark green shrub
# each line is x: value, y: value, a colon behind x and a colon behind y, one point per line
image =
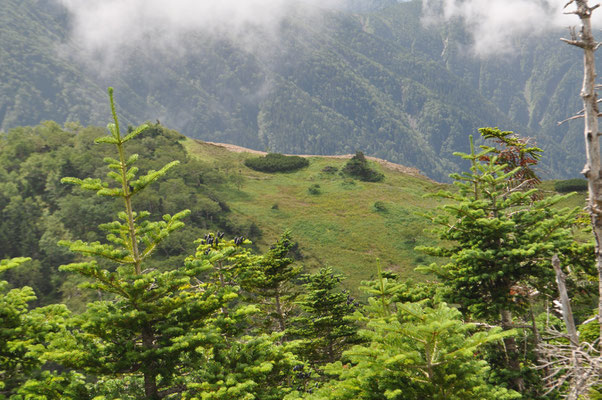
x: 329, y: 169
x: 379, y: 206
x: 358, y: 167
x: 571, y: 185
x: 274, y: 162
x: 314, y: 189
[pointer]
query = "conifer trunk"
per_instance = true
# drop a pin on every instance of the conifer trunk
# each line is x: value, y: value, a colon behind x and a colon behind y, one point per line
x: 512, y: 352
x: 150, y: 376
x: 279, y: 313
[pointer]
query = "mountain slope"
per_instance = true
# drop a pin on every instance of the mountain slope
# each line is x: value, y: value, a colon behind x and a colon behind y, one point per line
x: 348, y: 224
x: 377, y: 81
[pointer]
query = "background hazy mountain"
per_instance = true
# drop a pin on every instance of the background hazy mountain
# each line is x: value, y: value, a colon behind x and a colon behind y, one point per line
x: 369, y: 76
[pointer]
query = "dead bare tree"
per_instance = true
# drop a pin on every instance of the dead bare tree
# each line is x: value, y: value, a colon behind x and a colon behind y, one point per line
x: 566, y: 359
x: 577, y: 366
x: 585, y: 40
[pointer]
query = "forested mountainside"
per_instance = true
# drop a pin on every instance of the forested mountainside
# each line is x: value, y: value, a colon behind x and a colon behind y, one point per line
x: 369, y: 78
x: 37, y: 210
x: 139, y: 309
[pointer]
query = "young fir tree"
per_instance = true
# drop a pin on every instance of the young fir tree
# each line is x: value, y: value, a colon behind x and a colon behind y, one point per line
x: 325, y: 323
x: 169, y: 332
x: 269, y: 281
x: 412, y: 352
x: 23, y: 336
x: 245, y: 364
x: 151, y: 324
x: 501, y: 242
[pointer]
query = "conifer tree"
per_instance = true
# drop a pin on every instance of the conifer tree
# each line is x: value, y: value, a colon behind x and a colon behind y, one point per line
x: 165, y: 331
x: 412, y: 351
x: 269, y: 280
x: 15, y: 359
x: 246, y: 363
x: 23, y: 336
x: 501, y: 242
x: 325, y: 323
x: 152, y: 323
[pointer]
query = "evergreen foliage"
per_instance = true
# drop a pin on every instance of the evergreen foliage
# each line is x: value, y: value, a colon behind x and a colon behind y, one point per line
x: 37, y: 210
x: 225, y: 323
x: 412, y: 351
x: 570, y: 185
x: 24, y: 337
x: 499, y: 238
x: 155, y: 326
x: 325, y: 322
x: 270, y: 281
x: 358, y: 167
x: 274, y: 162
x: 501, y: 242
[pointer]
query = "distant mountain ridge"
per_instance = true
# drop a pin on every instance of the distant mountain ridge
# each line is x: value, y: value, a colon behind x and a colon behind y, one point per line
x: 372, y: 79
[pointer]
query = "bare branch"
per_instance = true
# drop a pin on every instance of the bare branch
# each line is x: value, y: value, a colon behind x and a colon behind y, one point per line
x: 570, y: 119
x: 577, y: 43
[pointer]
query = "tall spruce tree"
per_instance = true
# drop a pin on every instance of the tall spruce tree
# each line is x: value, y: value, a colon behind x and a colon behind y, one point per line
x: 501, y: 242
x: 151, y: 323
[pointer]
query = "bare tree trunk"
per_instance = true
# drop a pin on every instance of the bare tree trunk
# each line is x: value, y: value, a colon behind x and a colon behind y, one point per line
x: 279, y: 313
x: 592, y: 141
x: 567, y: 312
x: 575, y: 387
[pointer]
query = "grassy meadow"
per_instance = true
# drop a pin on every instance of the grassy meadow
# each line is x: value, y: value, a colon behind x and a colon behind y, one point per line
x: 338, y: 221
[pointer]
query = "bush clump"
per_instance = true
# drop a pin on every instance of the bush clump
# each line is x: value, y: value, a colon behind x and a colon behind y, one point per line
x: 314, y: 189
x: 358, y: 167
x: 275, y: 162
x: 571, y: 185
x: 329, y: 169
x: 379, y: 206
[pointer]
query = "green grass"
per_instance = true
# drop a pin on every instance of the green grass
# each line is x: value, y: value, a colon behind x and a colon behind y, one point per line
x: 339, y: 226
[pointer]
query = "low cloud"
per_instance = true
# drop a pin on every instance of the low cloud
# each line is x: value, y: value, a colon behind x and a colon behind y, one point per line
x: 108, y: 29
x: 496, y: 24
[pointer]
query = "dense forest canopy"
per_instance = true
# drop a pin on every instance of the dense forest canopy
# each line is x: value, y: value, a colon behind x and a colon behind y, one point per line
x: 136, y: 311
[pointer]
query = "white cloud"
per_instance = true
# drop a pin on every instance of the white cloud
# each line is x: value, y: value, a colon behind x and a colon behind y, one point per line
x: 496, y: 24
x: 104, y: 28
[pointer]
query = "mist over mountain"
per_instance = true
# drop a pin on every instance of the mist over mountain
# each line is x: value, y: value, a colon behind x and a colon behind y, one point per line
x: 397, y: 80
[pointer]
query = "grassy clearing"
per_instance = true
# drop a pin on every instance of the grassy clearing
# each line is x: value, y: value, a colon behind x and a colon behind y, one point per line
x: 345, y: 223
x: 340, y: 226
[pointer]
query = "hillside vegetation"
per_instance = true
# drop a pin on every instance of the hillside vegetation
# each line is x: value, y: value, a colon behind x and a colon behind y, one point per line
x: 374, y: 80
x: 348, y: 225
x: 127, y: 316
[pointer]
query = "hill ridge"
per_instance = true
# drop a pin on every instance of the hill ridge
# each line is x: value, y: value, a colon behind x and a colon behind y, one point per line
x: 387, y: 164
